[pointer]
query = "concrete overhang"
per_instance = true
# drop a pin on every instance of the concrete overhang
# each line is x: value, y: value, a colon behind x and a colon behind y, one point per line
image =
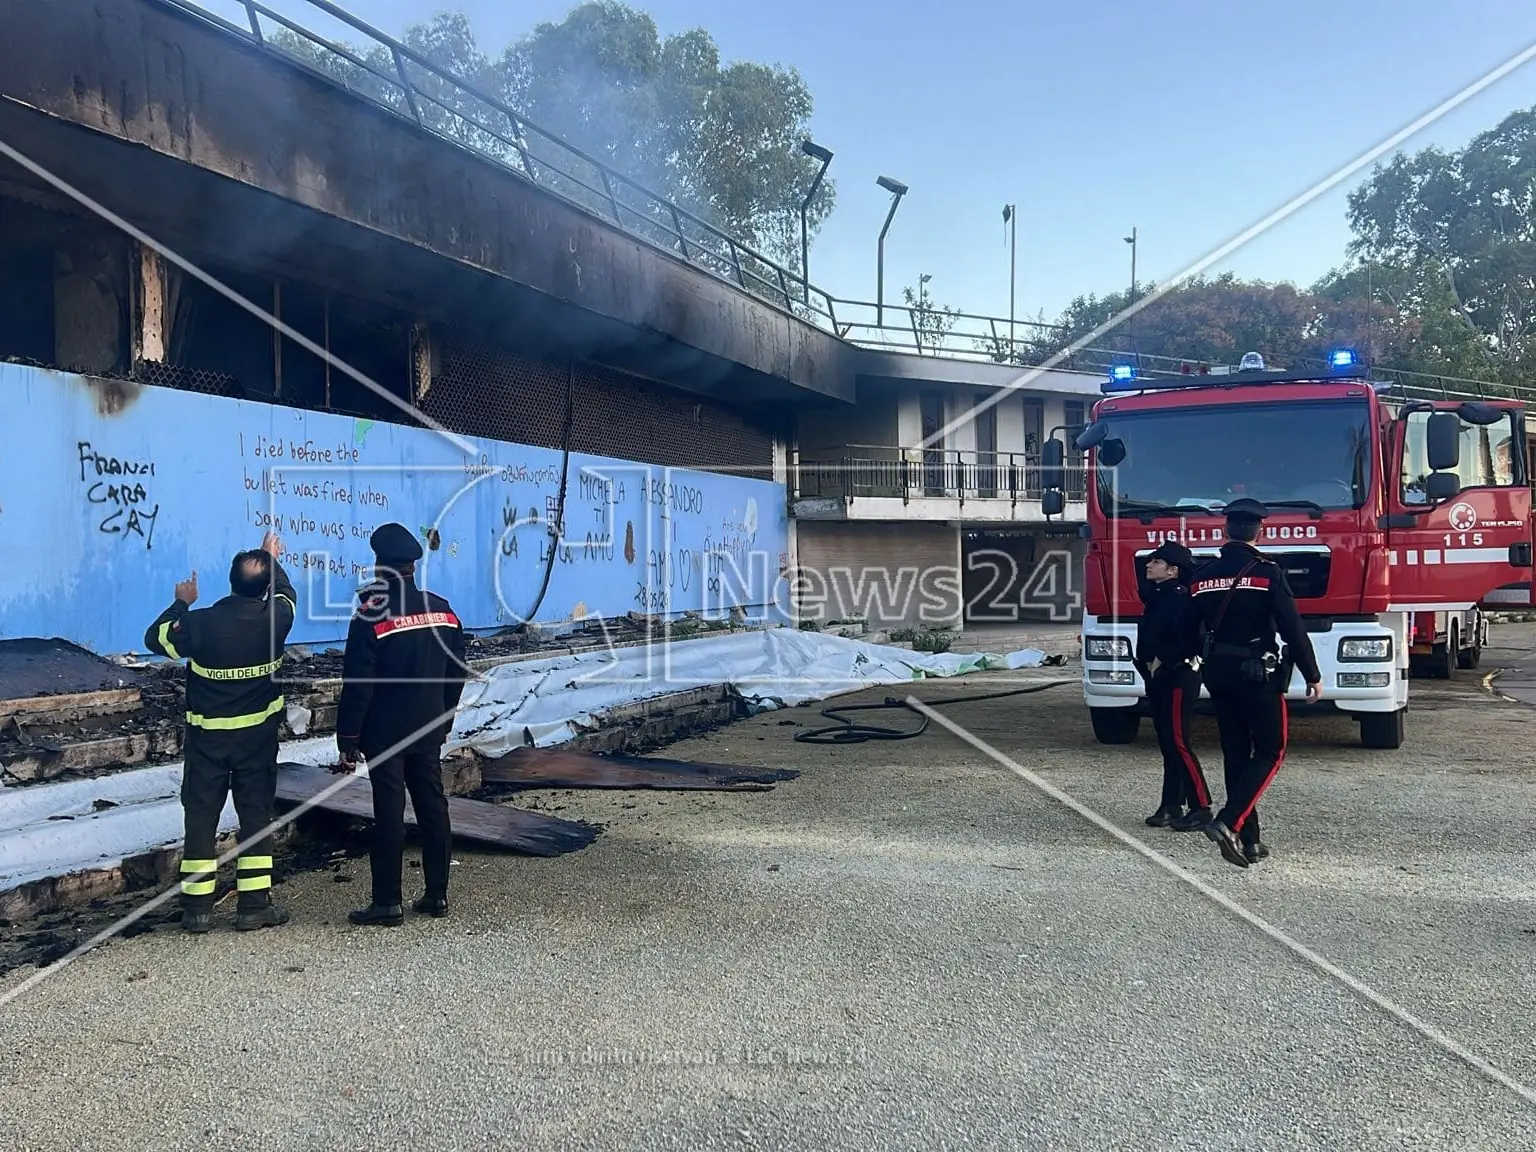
x: 212, y: 144
x: 879, y: 367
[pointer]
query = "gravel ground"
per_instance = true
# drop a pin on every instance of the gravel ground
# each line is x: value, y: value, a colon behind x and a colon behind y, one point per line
x: 908, y: 947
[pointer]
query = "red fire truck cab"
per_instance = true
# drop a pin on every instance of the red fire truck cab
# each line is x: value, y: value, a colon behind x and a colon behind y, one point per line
x: 1381, y: 508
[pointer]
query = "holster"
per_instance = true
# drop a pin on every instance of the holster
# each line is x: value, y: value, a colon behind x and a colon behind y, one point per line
x: 1256, y: 664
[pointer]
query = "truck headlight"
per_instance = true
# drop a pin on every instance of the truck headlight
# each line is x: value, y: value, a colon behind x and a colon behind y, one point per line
x: 1107, y: 648
x: 1365, y: 648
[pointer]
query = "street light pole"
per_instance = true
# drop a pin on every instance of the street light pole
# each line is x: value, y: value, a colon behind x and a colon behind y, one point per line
x: 1131, y: 240
x: 1011, y: 220
x: 1130, y: 324
x: 897, y: 190
x: 815, y: 152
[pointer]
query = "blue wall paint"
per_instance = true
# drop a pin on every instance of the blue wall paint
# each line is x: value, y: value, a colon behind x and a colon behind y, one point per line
x: 102, y: 512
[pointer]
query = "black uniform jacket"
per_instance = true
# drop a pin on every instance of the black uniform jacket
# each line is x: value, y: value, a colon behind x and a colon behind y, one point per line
x: 1261, y: 605
x: 1168, y: 632
x: 403, y: 671
x: 233, y: 649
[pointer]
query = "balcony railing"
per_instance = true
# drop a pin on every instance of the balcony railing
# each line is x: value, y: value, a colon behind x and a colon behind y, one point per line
x: 875, y: 471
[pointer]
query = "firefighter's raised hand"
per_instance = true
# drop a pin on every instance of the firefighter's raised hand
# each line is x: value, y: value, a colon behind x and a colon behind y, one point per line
x: 272, y: 546
x: 1314, y: 693
x: 186, y: 591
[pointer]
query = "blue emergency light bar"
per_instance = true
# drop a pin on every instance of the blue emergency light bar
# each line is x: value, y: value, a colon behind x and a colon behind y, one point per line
x: 1342, y: 363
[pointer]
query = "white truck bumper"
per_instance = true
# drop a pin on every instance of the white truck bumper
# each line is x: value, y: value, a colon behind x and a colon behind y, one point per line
x: 1110, y: 680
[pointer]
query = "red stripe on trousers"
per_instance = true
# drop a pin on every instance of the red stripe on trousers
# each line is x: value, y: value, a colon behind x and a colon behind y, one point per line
x: 1183, y: 746
x: 1285, y: 739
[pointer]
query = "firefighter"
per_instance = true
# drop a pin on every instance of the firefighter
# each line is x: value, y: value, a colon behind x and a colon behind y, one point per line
x: 403, y: 672
x: 233, y: 649
x: 1242, y: 600
x: 1166, y: 645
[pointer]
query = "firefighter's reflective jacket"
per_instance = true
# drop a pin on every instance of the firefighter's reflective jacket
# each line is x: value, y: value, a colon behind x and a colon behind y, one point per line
x: 233, y: 649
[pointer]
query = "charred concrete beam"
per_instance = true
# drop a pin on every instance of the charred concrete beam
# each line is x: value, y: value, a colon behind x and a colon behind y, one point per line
x: 146, y: 75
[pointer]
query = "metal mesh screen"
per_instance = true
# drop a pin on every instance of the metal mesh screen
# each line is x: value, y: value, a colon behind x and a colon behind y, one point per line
x: 187, y: 379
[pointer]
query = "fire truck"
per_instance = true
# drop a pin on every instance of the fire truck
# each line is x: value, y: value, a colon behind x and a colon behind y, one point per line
x: 1441, y: 642
x: 1382, y: 507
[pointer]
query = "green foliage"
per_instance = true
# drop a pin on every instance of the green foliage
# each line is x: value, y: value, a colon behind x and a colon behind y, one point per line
x: 923, y: 639
x: 1465, y: 222
x: 930, y: 324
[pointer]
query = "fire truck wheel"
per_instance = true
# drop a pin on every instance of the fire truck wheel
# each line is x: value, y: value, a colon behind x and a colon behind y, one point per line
x: 1382, y: 729
x: 1115, y: 725
x: 1470, y: 657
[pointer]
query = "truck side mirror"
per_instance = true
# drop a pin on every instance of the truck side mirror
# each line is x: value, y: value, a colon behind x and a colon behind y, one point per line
x: 1441, y: 486
x: 1112, y: 452
x: 1090, y: 436
x: 1052, y: 502
x: 1052, y: 455
x: 1442, y: 441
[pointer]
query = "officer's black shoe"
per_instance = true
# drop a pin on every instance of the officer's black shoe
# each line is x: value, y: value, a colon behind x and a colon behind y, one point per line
x: 197, y: 922
x: 249, y: 919
x: 431, y: 906
x: 1226, y: 840
x: 1256, y: 851
x: 383, y: 915
x: 1164, y: 816
x: 1192, y: 821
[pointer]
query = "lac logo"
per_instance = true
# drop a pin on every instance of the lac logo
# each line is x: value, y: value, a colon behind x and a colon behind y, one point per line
x: 1463, y: 518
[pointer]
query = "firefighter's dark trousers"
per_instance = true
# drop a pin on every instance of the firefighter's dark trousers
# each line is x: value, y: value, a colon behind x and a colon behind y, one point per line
x: 1173, y: 693
x: 417, y: 771
x: 242, y: 762
x: 1252, y: 720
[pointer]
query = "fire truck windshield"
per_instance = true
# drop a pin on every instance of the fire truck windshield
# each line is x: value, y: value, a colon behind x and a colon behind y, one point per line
x: 1188, y: 461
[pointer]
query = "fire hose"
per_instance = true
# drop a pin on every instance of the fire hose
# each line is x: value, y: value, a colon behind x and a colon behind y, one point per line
x: 849, y: 731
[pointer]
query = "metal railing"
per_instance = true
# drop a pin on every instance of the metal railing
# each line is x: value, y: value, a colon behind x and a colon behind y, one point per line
x: 907, y: 474
x: 407, y: 83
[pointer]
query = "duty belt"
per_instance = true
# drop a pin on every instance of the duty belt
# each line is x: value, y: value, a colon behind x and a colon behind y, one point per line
x: 1246, y: 651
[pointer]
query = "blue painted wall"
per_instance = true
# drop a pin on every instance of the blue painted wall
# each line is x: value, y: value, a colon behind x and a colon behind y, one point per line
x: 109, y: 497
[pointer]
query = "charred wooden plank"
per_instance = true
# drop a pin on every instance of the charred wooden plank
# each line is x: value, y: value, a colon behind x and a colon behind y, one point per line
x: 69, y: 705
x: 473, y: 821
x: 560, y: 768
x: 44, y: 762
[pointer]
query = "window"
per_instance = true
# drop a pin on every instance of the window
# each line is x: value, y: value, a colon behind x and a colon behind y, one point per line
x: 1488, y: 456
x: 1196, y: 459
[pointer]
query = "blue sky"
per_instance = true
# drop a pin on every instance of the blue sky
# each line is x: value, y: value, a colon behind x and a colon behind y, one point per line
x: 1187, y: 119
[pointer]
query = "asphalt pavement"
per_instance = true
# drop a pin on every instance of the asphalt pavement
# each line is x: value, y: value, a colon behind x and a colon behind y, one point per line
x: 909, y: 947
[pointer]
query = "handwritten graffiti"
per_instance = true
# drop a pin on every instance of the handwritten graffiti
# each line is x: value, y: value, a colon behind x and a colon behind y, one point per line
x: 302, y: 452
x: 114, y: 486
x: 675, y: 497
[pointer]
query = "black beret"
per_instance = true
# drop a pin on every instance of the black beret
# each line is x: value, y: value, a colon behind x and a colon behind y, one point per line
x: 393, y: 543
x: 1172, y: 552
x: 1245, y: 509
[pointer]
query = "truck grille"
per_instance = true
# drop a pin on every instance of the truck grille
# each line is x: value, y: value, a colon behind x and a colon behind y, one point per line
x: 1306, y: 572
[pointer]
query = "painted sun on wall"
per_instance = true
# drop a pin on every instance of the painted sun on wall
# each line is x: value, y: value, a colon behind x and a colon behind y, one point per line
x: 106, y: 508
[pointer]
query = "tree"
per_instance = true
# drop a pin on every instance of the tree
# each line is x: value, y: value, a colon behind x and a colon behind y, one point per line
x: 930, y: 324
x: 1402, y: 315
x: 1470, y: 218
x: 722, y: 142
x: 1198, y: 321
